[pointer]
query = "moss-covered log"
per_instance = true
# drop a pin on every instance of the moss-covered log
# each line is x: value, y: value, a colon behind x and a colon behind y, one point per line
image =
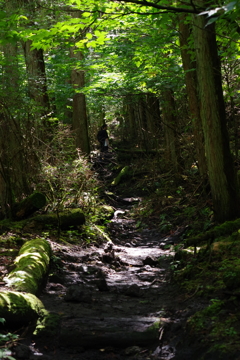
x: 19, y: 308
x: 32, y: 265
x: 64, y: 220
x: 28, y: 206
x: 123, y: 173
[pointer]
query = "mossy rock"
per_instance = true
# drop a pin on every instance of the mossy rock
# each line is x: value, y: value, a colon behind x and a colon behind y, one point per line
x: 19, y: 308
x: 31, y: 268
x: 105, y: 212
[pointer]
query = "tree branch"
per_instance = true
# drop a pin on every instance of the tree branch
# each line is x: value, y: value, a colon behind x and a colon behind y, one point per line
x: 192, y: 10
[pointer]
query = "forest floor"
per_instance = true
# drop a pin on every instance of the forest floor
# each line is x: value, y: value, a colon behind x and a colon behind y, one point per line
x: 118, y: 299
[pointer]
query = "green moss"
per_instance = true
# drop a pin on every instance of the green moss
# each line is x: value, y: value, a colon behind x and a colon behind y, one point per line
x: 222, y: 332
x: 48, y: 324
x: 123, y: 173
x: 31, y: 266
x: 64, y: 220
x: 19, y: 308
x: 225, y: 229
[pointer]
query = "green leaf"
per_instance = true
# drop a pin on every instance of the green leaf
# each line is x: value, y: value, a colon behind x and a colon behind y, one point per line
x: 211, y: 21
x: 89, y: 36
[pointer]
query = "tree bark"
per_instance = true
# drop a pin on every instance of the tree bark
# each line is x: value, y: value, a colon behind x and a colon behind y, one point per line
x: 222, y: 177
x: 63, y: 220
x: 19, y: 308
x: 189, y: 66
x: 32, y: 265
x: 170, y: 125
x: 28, y: 206
x: 153, y: 120
x: 80, y: 121
x: 37, y: 78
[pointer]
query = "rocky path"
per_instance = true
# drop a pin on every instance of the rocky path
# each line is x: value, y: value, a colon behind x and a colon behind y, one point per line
x: 115, y: 301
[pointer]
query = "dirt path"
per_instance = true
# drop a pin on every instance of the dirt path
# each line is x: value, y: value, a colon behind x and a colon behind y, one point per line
x: 114, y: 301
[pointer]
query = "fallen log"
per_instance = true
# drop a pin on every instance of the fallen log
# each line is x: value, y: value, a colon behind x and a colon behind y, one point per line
x: 19, y: 308
x: 123, y: 173
x: 28, y: 206
x: 63, y: 220
x: 31, y: 266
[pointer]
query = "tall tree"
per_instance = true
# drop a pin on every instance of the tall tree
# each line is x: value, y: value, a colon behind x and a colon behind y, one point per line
x: 221, y: 171
x: 189, y: 65
x: 170, y: 129
x: 80, y: 122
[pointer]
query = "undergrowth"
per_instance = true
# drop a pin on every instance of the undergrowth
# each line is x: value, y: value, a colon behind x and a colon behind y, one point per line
x: 213, y: 273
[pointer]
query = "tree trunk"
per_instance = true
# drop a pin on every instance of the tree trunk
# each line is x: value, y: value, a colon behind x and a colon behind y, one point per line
x: 28, y: 206
x: 37, y: 78
x: 80, y: 123
x: 128, y: 126
x: 222, y: 176
x: 19, y: 308
x: 14, y: 164
x: 170, y: 125
x: 63, y: 220
x: 31, y: 267
x: 193, y: 100
x: 153, y: 120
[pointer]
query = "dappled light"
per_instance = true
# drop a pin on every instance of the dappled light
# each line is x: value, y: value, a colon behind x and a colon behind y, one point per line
x: 119, y: 180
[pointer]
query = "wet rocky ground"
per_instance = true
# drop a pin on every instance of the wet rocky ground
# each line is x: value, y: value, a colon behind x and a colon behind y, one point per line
x: 115, y: 301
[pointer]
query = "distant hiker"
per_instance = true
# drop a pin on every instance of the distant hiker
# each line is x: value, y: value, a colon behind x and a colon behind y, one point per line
x: 102, y: 137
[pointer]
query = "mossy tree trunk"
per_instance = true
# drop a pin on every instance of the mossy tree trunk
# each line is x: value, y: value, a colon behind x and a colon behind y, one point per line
x: 63, y: 220
x: 31, y: 266
x: 29, y: 205
x: 221, y: 172
x: 20, y: 305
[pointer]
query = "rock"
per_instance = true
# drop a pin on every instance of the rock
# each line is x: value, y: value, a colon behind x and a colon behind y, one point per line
x: 132, y: 350
x: 56, y: 278
x: 55, y: 286
x: 150, y: 261
x: 77, y: 293
x: 102, y: 284
x: 108, y: 247
x: 22, y: 351
x: 108, y: 257
x: 133, y: 290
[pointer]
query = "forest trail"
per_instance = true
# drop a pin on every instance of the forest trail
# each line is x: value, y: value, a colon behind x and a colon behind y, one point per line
x: 115, y: 300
